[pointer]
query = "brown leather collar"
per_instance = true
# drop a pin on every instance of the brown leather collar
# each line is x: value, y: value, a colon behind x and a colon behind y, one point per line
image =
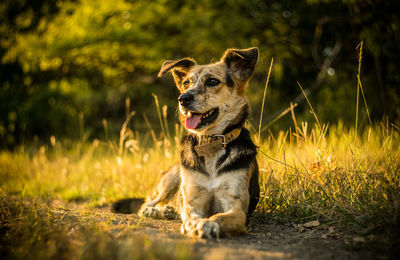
x: 211, y: 144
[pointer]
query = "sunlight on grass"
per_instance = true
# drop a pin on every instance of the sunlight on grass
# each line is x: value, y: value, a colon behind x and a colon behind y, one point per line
x: 332, y: 175
x: 324, y: 173
x: 98, y: 175
x: 35, y: 230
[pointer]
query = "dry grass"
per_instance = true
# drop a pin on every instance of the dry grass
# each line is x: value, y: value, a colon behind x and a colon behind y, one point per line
x: 334, y: 175
x: 330, y: 173
x: 36, y: 229
x: 338, y: 175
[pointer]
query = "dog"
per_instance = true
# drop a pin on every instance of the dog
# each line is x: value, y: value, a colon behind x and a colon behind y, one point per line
x: 215, y: 184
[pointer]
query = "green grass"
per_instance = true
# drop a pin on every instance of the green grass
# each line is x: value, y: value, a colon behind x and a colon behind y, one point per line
x: 331, y: 174
x: 33, y: 229
x: 334, y: 175
x: 91, y: 172
x: 341, y: 176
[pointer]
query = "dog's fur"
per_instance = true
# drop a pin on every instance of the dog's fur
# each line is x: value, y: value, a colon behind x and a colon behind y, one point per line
x: 216, y: 192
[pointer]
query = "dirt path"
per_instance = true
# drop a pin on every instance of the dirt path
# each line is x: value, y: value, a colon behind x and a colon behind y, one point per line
x: 263, y: 241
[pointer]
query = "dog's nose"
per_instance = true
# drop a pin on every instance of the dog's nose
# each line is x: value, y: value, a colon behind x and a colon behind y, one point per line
x: 185, y: 99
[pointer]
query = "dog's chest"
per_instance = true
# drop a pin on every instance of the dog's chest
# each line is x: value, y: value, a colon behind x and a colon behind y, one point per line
x: 211, y: 163
x: 212, y: 180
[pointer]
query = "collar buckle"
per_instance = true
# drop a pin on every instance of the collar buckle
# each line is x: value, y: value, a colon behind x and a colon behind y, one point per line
x: 224, y: 143
x: 210, y: 144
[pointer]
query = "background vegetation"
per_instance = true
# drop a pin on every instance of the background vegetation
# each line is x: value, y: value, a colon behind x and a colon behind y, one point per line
x: 73, y: 72
x: 68, y: 65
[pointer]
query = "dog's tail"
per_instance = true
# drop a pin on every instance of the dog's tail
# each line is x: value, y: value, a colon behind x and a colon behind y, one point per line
x: 127, y: 206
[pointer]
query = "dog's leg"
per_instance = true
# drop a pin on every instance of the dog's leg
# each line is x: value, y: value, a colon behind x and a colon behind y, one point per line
x: 232, y: 222
x: 196, y: 205
x: 228, y: 223
x: 237, y: 201
x: 234, y: 200
x: 155, y: 205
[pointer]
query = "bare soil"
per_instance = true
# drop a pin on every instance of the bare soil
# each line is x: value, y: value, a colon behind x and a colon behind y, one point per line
x: 262, y: 241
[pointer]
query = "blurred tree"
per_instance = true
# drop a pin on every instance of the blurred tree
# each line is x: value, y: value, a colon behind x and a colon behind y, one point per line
x: 17, y: 17
x: 65, y: 58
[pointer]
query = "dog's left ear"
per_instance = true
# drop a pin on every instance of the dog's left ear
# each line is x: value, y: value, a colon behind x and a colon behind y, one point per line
x: 179, y: 69
x: 241, y: 62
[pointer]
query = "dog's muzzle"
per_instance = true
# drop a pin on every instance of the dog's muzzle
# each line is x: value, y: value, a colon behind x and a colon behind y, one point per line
x: 185, y: 99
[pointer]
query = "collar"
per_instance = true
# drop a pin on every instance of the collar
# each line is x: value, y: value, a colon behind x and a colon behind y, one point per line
x: 210, y: 144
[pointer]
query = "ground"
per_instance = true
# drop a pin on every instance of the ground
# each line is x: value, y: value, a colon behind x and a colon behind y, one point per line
x: 324, y: 194
x: 262, y: 241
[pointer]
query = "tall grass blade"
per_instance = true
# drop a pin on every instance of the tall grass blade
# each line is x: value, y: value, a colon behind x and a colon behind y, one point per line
x: 308, y: 101
x: 263, y: 101
x: 358, y: 81
x: 279, y: 117
x: 159, y: 114
x: 365, y: 101
x: 127, y: 107
x: 165, y: 121
x: 153, y: 134
x: 296, y: 127
x: 124, y: 133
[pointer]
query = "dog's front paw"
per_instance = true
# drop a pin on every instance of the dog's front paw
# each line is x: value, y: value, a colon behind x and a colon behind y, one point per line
x: 201, y: 228
x: 150, y: 212
x: 169, y: 213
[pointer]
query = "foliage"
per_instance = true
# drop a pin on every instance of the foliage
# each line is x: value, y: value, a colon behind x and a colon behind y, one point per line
x: 348, y: 182
x: 330, y: 174
x: 36, y: 229
x: 69, y: 64
x: 333, y: 174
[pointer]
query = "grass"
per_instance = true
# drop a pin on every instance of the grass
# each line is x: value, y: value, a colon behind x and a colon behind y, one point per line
x: 33, y: 229
x: 330, y: 173
x: 87, y: 172
x: 341, y: 176
x: 334, y: 175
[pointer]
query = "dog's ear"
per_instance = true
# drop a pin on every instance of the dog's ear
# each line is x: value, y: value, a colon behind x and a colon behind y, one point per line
x: 241, y: 62
x: 179, y: 68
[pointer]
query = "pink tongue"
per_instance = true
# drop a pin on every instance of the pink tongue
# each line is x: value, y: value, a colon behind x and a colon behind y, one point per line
x: 193, y: 121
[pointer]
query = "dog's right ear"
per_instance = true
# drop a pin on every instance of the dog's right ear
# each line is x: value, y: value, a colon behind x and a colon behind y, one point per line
x: 241, y: 62
x: 179, y: 69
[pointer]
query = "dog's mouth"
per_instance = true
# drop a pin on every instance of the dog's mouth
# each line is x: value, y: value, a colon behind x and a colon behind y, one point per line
x: 195, y: 120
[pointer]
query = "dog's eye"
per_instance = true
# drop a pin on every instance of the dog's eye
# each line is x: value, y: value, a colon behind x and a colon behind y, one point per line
x: 186, y: 83
x: 211, y: 82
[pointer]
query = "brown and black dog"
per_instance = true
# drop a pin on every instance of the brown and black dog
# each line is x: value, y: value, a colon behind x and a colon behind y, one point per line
x: 215, y: 185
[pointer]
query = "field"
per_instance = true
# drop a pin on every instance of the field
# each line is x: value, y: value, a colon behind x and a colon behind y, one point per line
x: 326, y: 192
x: 318, y: 182
x: 72, y: 72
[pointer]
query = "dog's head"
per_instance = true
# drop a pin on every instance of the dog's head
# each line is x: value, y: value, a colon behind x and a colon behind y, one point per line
x: 213, y: 96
